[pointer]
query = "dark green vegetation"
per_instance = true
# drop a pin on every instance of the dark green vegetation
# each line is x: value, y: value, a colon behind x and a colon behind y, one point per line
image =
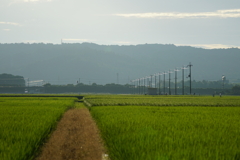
x: 11, y: 80
x: 26, y: 122
x: 140, y: 100
x: 197, y: 85
x: 181, y: 127
x: 236, y: 90
x: 65, y: 64
x: 93, y: 88
x: 202, y: 87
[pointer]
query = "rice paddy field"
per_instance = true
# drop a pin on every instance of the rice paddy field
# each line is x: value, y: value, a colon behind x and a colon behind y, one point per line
x: 25, y: 122
x: 133, y: 127
x: 144, y: 100
x: 168, y: 128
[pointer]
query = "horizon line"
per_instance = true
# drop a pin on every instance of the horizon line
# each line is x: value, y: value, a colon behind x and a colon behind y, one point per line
x: 202, y: 46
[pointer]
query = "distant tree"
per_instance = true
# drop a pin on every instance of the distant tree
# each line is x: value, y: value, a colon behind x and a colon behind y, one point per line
x: 11, y: 80
x: 47, y: 85
x: 236, y: 90
x: 94, y: 84
x: 80, y: 84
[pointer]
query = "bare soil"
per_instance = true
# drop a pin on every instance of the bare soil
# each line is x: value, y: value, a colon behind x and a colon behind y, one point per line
x: 76, y: 137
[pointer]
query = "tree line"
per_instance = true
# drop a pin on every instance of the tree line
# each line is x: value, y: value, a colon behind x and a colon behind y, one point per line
x: 11, y: 80
x: 16, y: 84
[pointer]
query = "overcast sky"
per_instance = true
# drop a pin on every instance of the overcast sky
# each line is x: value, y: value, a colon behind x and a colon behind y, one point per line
x: 202, y: 23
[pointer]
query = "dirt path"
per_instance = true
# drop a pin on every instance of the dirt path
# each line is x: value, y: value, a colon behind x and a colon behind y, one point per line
x: 76, y: 137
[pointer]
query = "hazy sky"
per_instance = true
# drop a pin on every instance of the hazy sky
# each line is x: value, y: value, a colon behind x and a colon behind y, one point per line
x: 203, y: 23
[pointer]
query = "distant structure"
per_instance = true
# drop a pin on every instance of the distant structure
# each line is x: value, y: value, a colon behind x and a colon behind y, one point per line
x: 152, y: 91
x: 156, y: 90
x: 190, y: 76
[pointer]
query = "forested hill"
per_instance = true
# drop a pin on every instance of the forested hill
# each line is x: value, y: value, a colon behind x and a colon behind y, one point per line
x: 66, y: 63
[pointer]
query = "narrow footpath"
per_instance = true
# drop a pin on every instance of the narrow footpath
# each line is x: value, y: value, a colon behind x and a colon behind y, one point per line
x: 76, y: 137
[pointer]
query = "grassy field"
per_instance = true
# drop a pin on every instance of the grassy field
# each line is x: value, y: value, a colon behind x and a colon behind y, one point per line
x: 26, y: 122
x: 158, y: 130
x: 140, y: 100
x: 133, y: 127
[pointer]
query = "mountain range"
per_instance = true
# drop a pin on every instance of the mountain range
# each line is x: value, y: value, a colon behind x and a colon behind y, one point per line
x: 92, y: 63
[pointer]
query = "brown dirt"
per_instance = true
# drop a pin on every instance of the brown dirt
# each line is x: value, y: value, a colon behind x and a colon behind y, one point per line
x: 76, y: 137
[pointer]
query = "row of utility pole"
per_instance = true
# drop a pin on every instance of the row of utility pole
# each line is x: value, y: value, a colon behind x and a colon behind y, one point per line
x: 147, y: 82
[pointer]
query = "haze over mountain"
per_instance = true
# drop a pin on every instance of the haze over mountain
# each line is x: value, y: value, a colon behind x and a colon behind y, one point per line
x: 101, y: 64
x: 120, y: 27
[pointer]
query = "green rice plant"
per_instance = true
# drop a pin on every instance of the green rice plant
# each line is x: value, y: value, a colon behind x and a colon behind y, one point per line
x: 156, y: 133
x: 140, y: 100
x: 26, y: 122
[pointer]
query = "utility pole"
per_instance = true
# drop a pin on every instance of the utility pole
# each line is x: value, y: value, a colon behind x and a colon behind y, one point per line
x: 169, y: 75
x: 183, y: 80
x: 132, y: 83
x: 141, y: 88
x: 136, y: 88
x: 159, y: 90
x: 190, y: 76
x: 139, y: 91
x: 151, y: 82
x: 176, y: 70
x: 144, y: 85
x: 155, y: 80
x: 175, y: 81
x: 164, y: 82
